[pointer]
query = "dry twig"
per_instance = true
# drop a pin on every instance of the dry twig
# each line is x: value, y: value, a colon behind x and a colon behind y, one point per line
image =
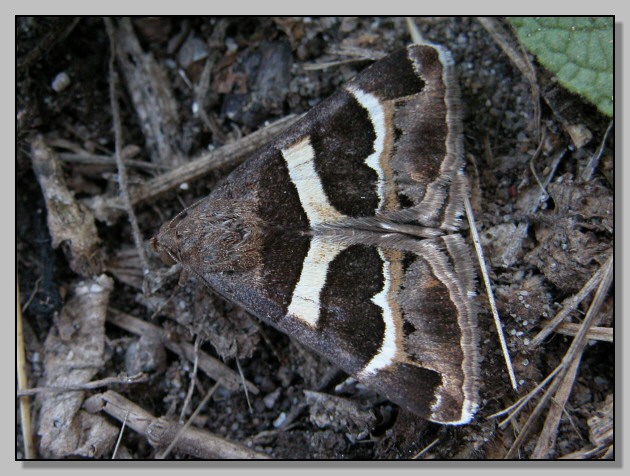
x: 212, y: 367
x: 574, y: 351
x: 521, y: 60
x: 603, y: 334
x: 122, y: 172
x: 571, y: 304
x: 486, y: 280
x: 25, y: 403
x: 229, y: 155
x: 587, y: 173
x: 94, y: 384
x: 160, y: 432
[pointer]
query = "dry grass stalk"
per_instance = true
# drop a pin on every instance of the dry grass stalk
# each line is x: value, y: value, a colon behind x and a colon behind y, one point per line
x: 570, y: 304
x: 486, y: 280
x: 122, y: 172
x: 25, y: 402
x: 572, y: 354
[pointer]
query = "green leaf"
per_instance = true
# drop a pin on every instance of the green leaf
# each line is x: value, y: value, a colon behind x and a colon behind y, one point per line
x: 578, y: 50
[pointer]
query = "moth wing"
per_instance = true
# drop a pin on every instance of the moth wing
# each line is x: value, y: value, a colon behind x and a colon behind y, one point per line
x: 390, y: 309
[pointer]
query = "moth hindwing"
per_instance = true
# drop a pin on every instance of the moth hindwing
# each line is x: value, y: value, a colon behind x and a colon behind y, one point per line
x: 342, y: 233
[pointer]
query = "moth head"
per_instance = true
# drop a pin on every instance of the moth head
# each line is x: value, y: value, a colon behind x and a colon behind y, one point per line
x: 214, y: 236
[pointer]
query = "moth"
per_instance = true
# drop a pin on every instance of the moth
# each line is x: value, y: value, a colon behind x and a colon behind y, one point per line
x: 342, y: 233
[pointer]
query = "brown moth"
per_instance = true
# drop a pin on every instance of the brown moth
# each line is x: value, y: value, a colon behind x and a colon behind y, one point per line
x: 342, y: 232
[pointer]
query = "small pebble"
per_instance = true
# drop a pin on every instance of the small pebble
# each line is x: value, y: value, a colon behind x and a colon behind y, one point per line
x: 280, y: 420
x: 61, y: 82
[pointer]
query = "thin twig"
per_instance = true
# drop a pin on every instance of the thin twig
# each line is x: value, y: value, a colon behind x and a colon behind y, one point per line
x: 186, y: 425
x: 486, y: 280
x: 602, y: 334
x: 240, y: 372
x: 193, y: 379
x: 33, y: 294
x: 547, y: 437
x: 570, y: 304
x: 572, y: 353
x: 423, y: 451
x: 212, y: 367
x: 122, y: 173
x: 592, y: 163
x: 521, y: 402
x: 414, y: 32
x: 105, y: 160
x: 120, y: 434
x: 532, y: 168
x: 105, y: 382
x: 161, y: 431
x: 521, y: 60
x: 25, y: 403
x: 228, y: 155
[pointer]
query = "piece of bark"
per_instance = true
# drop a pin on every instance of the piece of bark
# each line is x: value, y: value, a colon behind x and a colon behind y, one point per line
x: 74, y: 353
x: 152, y: 97
x: 70, y: 223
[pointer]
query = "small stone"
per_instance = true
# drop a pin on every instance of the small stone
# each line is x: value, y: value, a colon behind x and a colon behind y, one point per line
x: 61, y: 82
x: 280, y: 420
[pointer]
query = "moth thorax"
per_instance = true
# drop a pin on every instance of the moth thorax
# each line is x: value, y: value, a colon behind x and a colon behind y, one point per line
x: 231, y: 243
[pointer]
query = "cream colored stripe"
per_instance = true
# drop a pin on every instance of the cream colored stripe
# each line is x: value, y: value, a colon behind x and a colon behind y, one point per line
x: 387, y: 351
x: 300, y: 158
x: 305, y: 301
x: 376, y: 112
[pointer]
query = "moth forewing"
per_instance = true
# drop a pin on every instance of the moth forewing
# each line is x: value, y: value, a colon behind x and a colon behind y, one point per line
x: 342, y: 232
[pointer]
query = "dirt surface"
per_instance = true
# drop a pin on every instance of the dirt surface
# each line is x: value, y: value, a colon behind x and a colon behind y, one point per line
x: 189, y: 86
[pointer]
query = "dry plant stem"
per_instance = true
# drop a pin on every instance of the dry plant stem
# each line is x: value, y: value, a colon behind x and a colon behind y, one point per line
x: 570, y: 304
x: 414, y: 32
x: 588, y: 171
x: 105, y: 160
x: 520, y: 59
x: 572, y: 353
x: 180, y: 432
x: 120, y: 434
x: 212, y: 367
x: 229, y: 155
x: 193, y: 379
x: 122, y: 173
x: 603, y: 334
x: 586, y: 453
x: 521, y: 402
x: 240, y: 372
x: 532, y: 168
x: 424, y: 451
x: 160, y: 432
x: 547, y: 438
x: 139, y: 378
x: 486, y: 280
x: 25, y: 403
